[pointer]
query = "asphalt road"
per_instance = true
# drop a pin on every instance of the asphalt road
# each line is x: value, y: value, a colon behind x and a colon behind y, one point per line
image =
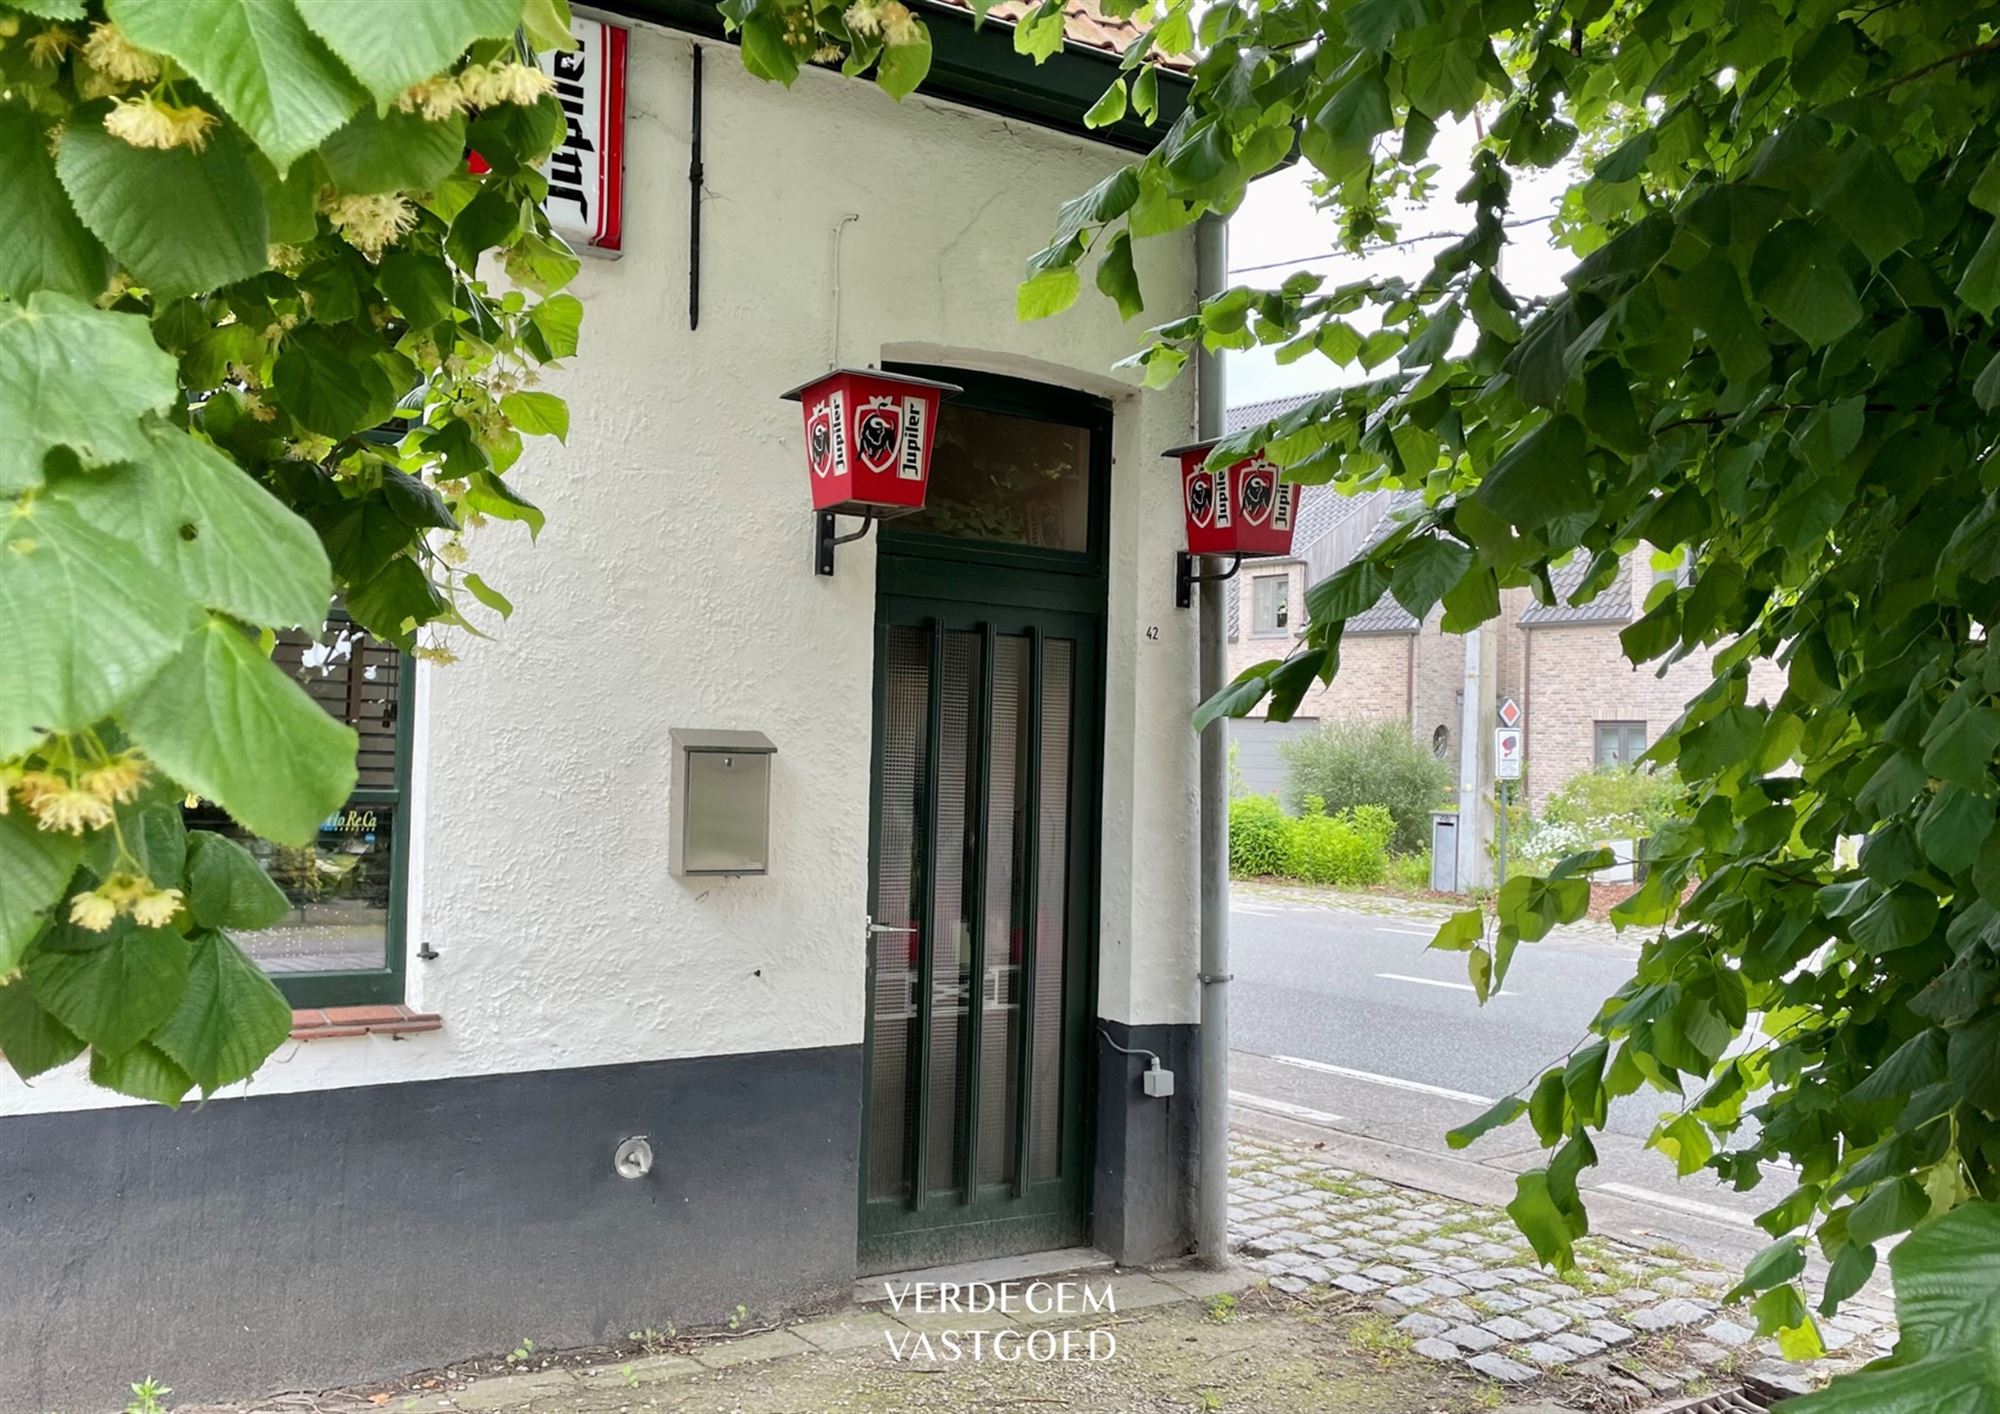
x: 1342, y: 1021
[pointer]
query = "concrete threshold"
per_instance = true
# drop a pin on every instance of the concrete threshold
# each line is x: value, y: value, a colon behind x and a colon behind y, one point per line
x: 1062, y: 1261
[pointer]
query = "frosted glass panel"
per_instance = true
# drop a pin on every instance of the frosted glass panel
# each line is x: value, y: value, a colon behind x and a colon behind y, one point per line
x: 905, y: 725
x: 1051, y: 910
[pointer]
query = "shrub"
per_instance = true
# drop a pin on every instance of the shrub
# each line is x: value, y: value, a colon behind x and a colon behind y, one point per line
x: 1348, y: 764
x: 1411, y: 871
x: 1257, y: 829
x: 1624, y: 802
x: 1348, y: 849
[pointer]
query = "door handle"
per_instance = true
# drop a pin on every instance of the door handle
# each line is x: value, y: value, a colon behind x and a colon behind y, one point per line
x: 874, y: 927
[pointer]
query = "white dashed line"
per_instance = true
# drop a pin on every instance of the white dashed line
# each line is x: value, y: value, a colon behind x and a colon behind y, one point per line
x: 1434, y: 982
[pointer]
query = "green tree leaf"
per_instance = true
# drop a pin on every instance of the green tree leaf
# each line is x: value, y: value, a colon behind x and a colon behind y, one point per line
x: 1797, y: 276
x: 77, y: 377
x: 393, y: 152
x: 230, y: 544
x: 424, y: 40
x: 1502, y: 1113
x: 227, y: 888
x: 1548, y: 1228
x: 230, y: 1018
x: 181, y: 221
x: 110, y: 988
x: 260, y: 62
x: 85, y: 621
x: 35, y: 866
x: 1947, y: 1283
x: 904, y: 66
x: 33, y: 1042
x: 226, y: 722
x: 1540, y: 478
x: 43, y: 244
x: 144, y: 1072
x: 537, y: 414
x: 1427, y: 566
x: 1050, y: 292
x: 1117, y: 277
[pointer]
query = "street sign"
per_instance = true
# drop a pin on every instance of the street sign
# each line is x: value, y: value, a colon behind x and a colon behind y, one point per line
x: 1509, y: 712
x: 1507, y: 750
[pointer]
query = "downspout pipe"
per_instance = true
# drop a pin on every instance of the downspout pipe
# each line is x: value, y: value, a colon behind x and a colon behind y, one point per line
x: 1211, y: 263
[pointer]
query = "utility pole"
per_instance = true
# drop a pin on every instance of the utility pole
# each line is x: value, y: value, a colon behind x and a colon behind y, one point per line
x: 1475, y: 759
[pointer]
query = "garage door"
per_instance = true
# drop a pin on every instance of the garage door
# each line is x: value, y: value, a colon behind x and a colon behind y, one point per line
x: 1258, y: 764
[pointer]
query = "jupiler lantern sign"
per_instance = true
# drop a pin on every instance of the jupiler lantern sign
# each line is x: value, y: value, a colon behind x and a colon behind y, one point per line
x: 1245, y: 510
x: 868, y: 437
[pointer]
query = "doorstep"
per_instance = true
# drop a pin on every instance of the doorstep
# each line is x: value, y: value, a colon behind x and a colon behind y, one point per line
x: 1033, y: 1266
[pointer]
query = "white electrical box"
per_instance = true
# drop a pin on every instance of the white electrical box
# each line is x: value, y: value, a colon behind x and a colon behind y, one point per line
x: 721, y: 803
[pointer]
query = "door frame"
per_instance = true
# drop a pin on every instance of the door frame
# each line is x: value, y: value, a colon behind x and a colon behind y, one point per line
x: 972, y: 581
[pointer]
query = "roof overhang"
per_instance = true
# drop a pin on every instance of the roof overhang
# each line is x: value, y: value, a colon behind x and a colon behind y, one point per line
x: 979, y: 68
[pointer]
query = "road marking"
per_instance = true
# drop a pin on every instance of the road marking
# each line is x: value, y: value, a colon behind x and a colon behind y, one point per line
x: 1394, y: 1082
x: 1678, y: 1204
x: 1283, y: 1108
x: 1434, y: 982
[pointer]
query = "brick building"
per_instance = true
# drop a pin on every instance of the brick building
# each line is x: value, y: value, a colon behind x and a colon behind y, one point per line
x: 1585, y: 705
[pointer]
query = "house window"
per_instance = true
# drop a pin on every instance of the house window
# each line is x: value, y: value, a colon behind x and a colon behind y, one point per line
x: 343, y: 940
x: 1270, y: 609
x: 1620, y: 743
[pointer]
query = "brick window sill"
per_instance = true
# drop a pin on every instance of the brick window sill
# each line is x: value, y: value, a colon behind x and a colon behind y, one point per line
x: 327, y: 1023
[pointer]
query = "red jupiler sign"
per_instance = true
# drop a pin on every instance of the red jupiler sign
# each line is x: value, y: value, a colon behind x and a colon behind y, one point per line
x: 869, y: 437
x: 1245, y: 508
x: 586, y: 173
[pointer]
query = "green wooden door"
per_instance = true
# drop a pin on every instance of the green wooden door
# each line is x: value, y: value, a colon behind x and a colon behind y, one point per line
x: 982, y: 902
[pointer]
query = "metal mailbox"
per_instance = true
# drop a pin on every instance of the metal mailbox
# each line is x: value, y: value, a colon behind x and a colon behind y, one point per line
x: 721, y: 803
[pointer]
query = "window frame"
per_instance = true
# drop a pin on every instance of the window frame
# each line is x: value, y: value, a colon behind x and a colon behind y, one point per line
x: 384, y: 985
x: 1087, y: 569
x: 1624, y: 727
x: 1280, y: 610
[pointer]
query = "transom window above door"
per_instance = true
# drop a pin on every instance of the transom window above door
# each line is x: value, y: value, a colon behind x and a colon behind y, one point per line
x: 1019, y: 477
x: 1008, y: 480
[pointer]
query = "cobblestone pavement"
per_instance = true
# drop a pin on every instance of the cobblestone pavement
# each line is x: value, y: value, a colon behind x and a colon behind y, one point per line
x: 1464, y: 1287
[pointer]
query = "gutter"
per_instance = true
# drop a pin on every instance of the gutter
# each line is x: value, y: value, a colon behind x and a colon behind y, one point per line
x: 1211, y: 263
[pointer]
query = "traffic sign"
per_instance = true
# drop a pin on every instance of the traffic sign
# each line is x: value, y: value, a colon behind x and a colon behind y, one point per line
x: 1509, y: 712
x: 1507, y: 751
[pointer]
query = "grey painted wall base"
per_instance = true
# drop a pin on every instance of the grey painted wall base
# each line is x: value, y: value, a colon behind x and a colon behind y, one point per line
x: 1144, y: 1208
x: 314, y: 1239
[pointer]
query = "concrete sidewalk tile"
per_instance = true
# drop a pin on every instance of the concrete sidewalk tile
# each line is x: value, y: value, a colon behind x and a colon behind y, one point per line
x: 637, y: 1374
x: 1202, y: 1284
x: 935, y: 1321
x: 512, y: 1391
x: 767, y: 1345
x: 848, y: 1330
x: 1134, y: 1291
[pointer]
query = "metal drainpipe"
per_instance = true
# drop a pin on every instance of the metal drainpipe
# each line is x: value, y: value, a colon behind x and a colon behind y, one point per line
x: 1211, y: 264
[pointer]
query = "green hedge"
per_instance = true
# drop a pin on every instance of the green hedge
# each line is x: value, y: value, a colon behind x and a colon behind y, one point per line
x: 1348, y: 849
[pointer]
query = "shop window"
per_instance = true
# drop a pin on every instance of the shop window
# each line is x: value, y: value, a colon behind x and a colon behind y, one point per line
x: 1270, y: 609
x: 343, y: 940
x: 1619, y: 743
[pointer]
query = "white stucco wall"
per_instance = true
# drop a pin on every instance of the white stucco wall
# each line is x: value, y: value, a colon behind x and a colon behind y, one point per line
x: 673, y: 587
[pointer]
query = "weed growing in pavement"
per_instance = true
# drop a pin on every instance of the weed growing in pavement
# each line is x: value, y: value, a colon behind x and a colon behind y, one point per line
x: 521, y: 1353
x: 1489, y: 1397
x: 738, y: 1316
x: 1222, y: 1307
x: 146, y: 1396
x: 1338, y: 1186
x: 1377, y: 1334
x: 630, y: 1375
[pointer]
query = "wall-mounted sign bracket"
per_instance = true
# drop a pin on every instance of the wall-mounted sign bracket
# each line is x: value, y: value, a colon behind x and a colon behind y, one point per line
x: 1185, y: 579
x: 824, y: 539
